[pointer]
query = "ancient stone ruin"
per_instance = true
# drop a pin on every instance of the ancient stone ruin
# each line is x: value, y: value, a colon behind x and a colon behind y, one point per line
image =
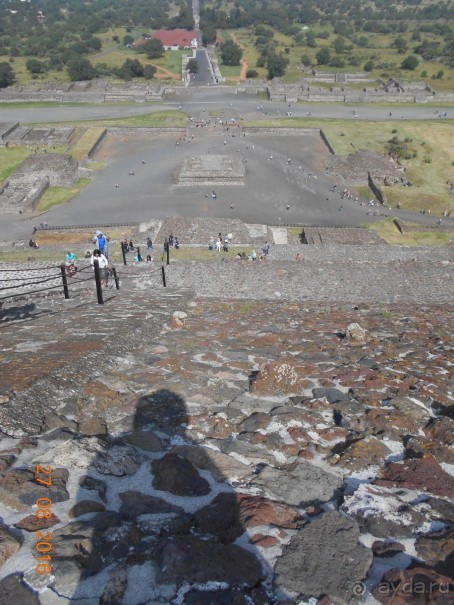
x: 212, y: 170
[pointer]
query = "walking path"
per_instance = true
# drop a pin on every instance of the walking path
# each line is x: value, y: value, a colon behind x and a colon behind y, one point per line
x: 244, y: 65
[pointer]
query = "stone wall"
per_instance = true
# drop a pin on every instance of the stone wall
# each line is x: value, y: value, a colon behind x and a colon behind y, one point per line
x: 147, y: 130
x: 100, y: 91
x: 373, y: 184
x: 98, y: 143
x: 276, y: 131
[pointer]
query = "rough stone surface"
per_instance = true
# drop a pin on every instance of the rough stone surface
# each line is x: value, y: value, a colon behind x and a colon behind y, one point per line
x: 230, y: 514
x: 177, y: 475
x: 437, y: 550
x: 134, y: 504
x: 19, y: 489
x: 188, y: 559
x: 282, y: 377
x: 14, y: 592
x: 9, y: 544
x: 324, y: 558
x: 301, y: 485
x: 424, y: 474
x: 414, y: 586
x: 186, y: 394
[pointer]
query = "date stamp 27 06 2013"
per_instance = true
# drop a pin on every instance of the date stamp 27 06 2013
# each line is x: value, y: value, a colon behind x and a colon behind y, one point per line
x: 43, y: 475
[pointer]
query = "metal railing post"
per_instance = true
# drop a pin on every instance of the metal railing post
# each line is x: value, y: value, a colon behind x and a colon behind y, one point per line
x: 123, y: 251
x: 117, y: 281
x: 98, y: 282
x: 64, y: 280
x: 163, y: 276
x: 167, y: 249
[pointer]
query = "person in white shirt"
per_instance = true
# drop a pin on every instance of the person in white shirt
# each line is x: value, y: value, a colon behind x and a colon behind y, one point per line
x: 103, y: 265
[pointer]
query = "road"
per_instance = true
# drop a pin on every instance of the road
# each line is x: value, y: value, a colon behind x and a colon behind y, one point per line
x: 236, y: 104
x: 204, y: 75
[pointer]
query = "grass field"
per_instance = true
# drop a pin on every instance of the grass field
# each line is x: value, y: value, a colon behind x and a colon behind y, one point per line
x: 85, y: 143
x: 55, y: 196
x: 160, y: 118
x: 10, y: 159
x: 389, y: 232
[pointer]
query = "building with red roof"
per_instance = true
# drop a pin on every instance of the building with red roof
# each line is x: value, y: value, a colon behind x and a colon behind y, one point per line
x: 173, y: 39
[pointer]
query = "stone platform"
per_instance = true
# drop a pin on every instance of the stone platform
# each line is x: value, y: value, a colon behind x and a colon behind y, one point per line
x: 212, y: 170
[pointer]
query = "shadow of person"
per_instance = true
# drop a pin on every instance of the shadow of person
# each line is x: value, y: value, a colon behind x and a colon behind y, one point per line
x: 12, y: 312
x: 157, y: 520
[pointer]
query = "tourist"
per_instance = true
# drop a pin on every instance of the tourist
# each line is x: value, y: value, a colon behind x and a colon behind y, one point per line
x: 131, y: 246
x: 266, y: 248
x: 138, y: 258
x: 103, y: 265
x: 101, y: 243
x: 213, y: 195
x: 218, y: 244
x: 106, y: 247
x: 70, y: 263
x: 149, y: 259
x: 177, y: 244
x: 211, y: 244
x: 254, y: 255
x: 226, y: 243
x: 33, y: 244
x: 171, y: 239
x: 298, y: 256
x: 149, y: 244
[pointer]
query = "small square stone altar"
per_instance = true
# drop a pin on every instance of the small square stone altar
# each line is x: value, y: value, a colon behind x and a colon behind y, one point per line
x: 212, y: 170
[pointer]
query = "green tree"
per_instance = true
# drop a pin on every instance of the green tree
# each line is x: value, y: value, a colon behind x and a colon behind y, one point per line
x: 209, y: 35
x: 36, y: 67
x: 149, y: 72
x: 80, y: 68
x: 7, y: 75
x: 339, y: 45
x: 192, y: 66
x: 369, y: 66
x: 153, y: 48
x: 337, y: 62
x: 323, y: 56
x: 128, y: 39
x: 231, y: 53
x: 411, y: 63
x: 401, y: 44
x: 310, y: 39
x: 277, y: 64
x: 134, y: 67
x: 252, y: 73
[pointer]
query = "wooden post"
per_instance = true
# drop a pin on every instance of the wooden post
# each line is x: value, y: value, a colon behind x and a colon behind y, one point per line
x: 117, y: 281
x: 98, y: 282
x: 64, y: 280
x: 163, y: 276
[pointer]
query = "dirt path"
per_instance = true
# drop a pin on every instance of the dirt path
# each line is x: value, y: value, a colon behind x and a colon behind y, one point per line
x: 163, y: 72
x: 244, y: 65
